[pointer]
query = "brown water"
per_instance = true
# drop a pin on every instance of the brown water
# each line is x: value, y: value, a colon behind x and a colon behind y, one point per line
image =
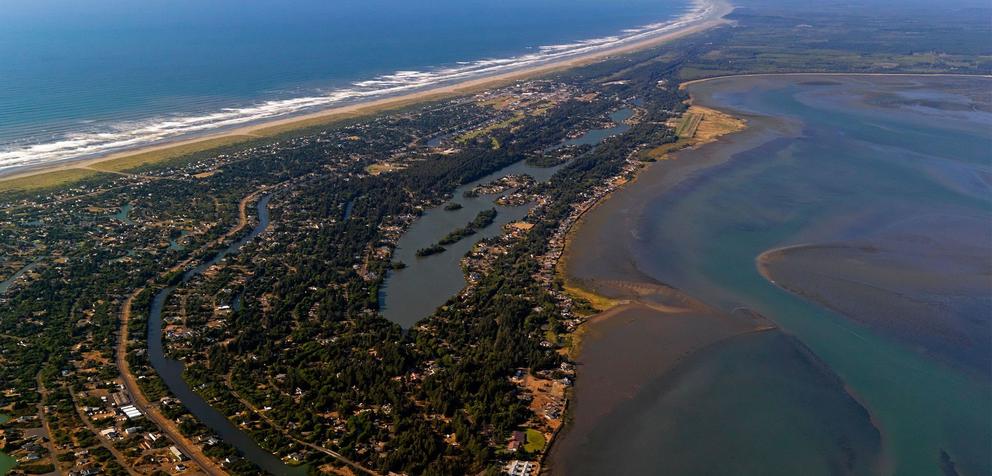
x: 884, y: 182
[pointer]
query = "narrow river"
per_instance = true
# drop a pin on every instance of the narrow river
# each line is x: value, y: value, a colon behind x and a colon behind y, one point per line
x: 6, y: 284
x: 171, y: 370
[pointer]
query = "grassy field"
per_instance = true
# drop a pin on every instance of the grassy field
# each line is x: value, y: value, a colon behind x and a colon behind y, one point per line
x: 687, y: 125
x: 535, y: 441
x: 48, y: 180
x: 775, y: 36
x: 697, y: 126
x: 470, y: 135
x: 599, y: 303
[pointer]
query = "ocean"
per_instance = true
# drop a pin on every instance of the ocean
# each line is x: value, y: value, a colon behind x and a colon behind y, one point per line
x: 81, y: 79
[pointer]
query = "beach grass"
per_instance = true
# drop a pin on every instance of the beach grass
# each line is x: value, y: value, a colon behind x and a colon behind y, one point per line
x: 131, y: 162
x: 599, y: 303
x: 191, y: 149
x: 47, y: 180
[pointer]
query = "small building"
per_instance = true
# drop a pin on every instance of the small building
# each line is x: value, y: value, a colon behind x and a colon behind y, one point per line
x: 517, y: 440
x: 120, y: 399
x: 132, y: 412
x: 520, y: 468
x: 177, y: 453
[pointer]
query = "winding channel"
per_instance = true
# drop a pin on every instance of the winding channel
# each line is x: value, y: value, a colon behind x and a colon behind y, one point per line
x: 171, y: 371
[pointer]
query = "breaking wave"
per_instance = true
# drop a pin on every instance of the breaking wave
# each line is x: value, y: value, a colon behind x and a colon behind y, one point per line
x: 106, y: 138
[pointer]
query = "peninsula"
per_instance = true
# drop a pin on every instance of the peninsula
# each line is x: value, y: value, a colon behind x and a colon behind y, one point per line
x: 625, y: 280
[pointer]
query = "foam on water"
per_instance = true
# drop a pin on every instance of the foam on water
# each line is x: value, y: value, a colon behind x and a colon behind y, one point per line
x: 103, y: 138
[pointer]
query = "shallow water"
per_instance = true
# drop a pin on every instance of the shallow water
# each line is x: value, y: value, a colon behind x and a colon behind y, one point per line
x: 404, y: 298
x: 7, y: 462
x: 834, y: 160
x: 690, y: 421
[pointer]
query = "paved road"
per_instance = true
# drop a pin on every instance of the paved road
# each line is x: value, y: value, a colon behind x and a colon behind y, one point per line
x: 169, y: 427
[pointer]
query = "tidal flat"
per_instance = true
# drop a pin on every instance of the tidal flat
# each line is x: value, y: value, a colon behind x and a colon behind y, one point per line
x: 864, y: 199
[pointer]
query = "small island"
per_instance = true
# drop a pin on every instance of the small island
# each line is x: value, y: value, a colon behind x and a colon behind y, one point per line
x: 430, y: 250
x: 482, y: 220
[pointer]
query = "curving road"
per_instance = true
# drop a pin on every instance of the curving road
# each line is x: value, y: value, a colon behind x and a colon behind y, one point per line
x: 169, y: 427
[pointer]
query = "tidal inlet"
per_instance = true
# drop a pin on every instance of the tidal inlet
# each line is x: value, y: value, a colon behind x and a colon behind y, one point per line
x: 821, y: 281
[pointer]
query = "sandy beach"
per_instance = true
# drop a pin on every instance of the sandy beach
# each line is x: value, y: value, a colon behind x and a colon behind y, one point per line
x: 714, y: 13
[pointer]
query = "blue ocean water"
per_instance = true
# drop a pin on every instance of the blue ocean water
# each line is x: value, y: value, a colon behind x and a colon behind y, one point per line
x: 85, y: 78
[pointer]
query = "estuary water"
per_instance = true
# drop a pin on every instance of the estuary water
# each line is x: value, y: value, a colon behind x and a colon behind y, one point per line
x: 405, y: 298
x: 855, y: 216
x: 79, y: 79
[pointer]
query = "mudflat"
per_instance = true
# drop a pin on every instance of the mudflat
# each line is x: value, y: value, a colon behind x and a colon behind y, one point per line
x: 840, y: 185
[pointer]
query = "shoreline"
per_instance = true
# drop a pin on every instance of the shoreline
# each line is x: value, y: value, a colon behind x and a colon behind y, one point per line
x: 660, y: 309
x: 575, y: 228
x: 763, y: 260
x: 602, y: 303
x: 714, y: 12
x: 686, y: 84
x: 595, y: 331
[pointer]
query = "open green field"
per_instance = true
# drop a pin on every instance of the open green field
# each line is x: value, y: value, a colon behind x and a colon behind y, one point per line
x: 787, y: 36
x: 535, y: 441
x: 688, y: 125
x: 48, y: 180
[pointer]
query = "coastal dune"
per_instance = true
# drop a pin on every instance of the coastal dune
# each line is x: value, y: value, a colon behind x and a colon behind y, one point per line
x: 364, y: 98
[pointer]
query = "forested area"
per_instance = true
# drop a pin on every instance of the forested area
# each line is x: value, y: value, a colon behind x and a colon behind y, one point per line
x: 291, y: 323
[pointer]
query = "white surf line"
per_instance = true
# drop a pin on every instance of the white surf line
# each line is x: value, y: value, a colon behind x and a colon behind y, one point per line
x: 116, y: 137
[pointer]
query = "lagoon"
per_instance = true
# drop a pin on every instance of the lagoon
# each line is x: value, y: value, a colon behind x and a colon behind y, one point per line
x: 404, y: 298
